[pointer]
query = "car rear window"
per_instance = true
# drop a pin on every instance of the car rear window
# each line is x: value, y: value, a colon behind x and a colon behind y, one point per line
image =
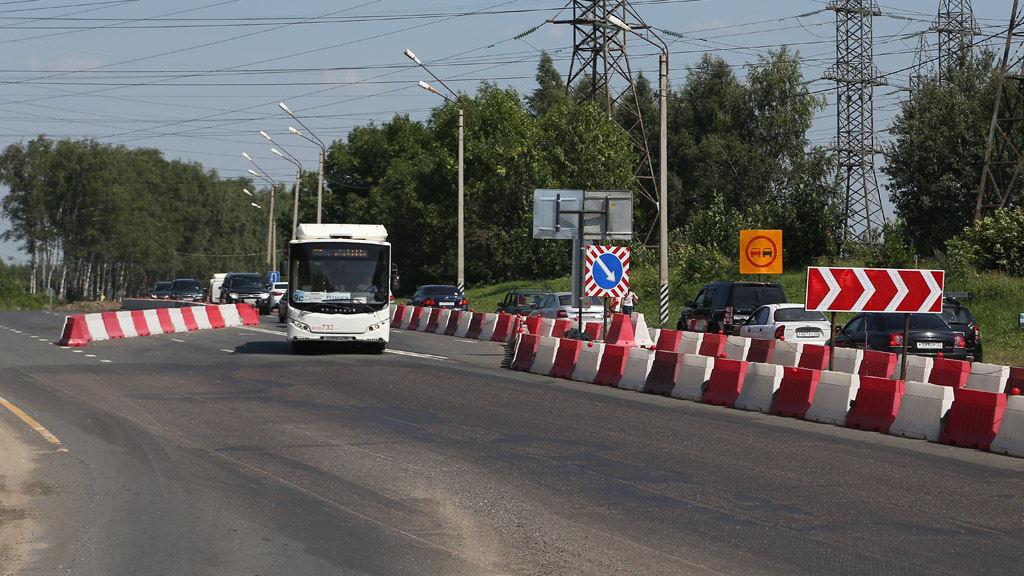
x: 441, y: 291
x: 746, y: 297
x: 958, y: 315
x: 894, y: 322
x: 798, y: 315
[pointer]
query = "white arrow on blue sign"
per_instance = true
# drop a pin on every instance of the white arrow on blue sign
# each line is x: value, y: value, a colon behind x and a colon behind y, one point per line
x: 607, y: 271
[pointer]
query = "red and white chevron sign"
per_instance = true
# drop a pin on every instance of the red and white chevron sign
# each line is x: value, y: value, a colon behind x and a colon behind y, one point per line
x: 874, y: 290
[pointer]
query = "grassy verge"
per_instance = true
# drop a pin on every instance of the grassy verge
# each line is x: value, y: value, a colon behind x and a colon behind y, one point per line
x: 998, y: 300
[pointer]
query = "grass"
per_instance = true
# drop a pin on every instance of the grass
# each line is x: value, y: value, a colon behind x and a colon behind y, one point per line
x: 997, y: 303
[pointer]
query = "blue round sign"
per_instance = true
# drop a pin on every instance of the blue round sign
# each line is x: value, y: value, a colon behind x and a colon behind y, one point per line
x: 607, y: 271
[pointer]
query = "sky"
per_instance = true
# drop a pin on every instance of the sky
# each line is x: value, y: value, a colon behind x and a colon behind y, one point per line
x: 199, y: 79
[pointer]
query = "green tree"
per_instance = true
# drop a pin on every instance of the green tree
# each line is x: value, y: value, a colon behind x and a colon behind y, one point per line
x: 550, y: 87
x: 938, y: 149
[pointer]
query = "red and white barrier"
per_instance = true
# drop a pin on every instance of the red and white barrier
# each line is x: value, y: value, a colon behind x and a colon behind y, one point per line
x: 988, y: 377
x: 689, y: 342
x: 638, y: 365
x: 81, y: 329
x: 878, y: 402
x: 544, y: 358
x: 566, y: 356
x: 1010, y: 439
x: 726, y: 382
x: 919, y: 368
x: 759, y: 386
x: 921, y: 410
x: 736, y: 347
x: 695, y: 371
x: 847, y: 360
x: 974, y: 418
x: 832, y: 397
x: 952, y: 373
x: 796, y: 392
x: 588, y: 362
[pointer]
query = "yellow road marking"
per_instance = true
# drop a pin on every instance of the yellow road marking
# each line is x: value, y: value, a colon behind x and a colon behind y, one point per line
x: 35, y: 425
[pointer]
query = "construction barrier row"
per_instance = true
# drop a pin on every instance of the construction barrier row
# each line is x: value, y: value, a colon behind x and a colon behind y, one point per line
x: 482, y: 325
x: 80, y: 329
x: 942, y: 400
x: 944, y: 409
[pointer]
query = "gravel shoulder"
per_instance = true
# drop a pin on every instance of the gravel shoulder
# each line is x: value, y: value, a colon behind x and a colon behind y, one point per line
x: 16, y: 524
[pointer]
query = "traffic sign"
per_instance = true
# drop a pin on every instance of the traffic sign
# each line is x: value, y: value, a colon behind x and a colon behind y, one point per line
x: 607, y: 271
x: 874, y: 290
x: 274, y: 276
x: 760, y: 251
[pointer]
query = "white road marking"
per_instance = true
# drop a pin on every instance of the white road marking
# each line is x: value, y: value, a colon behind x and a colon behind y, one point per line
x: 416, y: 355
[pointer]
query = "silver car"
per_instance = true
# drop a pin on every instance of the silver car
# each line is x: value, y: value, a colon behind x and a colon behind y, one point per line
x: 561, y: 305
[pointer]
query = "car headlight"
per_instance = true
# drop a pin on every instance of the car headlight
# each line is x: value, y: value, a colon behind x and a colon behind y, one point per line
x: 264, y: 295
x: 233, y: 295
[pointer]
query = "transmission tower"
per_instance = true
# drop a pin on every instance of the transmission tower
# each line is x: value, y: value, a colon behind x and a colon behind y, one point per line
x: 923, y: 63
x: 1003, y: 156
x: 956, y: 27
x: 600, y: 72
x: 856, y: 76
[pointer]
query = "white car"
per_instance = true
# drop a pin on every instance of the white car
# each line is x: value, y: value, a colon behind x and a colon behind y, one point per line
x: 789, y: 322
x: 276, y: 292
x: 561, y: 305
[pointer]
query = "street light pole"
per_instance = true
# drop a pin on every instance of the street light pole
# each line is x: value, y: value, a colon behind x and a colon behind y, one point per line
x: 271, y: 240
x: 323, y: 154
x: 298, y: 177
x: 462, y: 129
x: 662, y: 160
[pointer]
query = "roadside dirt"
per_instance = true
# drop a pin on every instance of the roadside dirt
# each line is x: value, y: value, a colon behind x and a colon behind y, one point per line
x: 15, y: 492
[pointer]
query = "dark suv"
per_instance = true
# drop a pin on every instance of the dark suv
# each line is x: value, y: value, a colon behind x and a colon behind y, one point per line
x: 247, y: 287
x: 724, y: 306
x: 961, y: 320
x: 187, y: 289
x: 522, y: 300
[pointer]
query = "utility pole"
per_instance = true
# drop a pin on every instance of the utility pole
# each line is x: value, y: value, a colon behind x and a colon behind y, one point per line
x: 856, y: 76
x: 600, y: 72
x: 1003, y: 156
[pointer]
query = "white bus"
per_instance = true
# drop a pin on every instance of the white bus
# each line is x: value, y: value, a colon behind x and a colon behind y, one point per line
x: 339, y: 285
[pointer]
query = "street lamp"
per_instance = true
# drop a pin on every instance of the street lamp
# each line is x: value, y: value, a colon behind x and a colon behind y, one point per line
x: 662, y: 161
x: 462, y: 128
x: 298, y: 177
x: 271, y: 240
x: 323, y: 154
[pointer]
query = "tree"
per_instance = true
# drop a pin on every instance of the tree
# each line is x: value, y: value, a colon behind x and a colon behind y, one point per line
x: 938, y: 150
x: 550, y: 87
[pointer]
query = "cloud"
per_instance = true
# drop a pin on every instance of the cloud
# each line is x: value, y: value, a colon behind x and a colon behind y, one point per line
x: 62, y: 64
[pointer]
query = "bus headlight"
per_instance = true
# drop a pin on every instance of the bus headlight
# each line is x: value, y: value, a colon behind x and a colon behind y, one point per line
x: 301, y: 326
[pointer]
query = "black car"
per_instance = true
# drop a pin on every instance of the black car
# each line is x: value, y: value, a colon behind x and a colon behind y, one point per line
x: 246, y: 287
x: 187, y: 289
x: 161, y: 290
x: 928, y: 334
x: 961, y: 320
x: 522, y: 300
x: 439, y: 296
x: 724, y: 306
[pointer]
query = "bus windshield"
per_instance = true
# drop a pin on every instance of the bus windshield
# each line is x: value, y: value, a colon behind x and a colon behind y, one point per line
x: 338, y: 272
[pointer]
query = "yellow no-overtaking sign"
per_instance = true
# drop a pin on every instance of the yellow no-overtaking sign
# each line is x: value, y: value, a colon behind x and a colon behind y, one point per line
x: 760, y: 251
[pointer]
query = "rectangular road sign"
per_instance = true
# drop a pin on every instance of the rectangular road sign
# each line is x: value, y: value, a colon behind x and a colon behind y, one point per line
x: 874, y: 290
x: 607, y: 214
x: 760, y: 251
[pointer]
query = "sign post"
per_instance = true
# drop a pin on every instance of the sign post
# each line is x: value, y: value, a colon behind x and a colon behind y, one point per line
x: 874, y: 290
x: 582, y: 215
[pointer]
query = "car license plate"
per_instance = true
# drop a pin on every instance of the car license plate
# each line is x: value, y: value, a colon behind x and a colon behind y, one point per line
x: 808, y: 333
x: 929, y: 345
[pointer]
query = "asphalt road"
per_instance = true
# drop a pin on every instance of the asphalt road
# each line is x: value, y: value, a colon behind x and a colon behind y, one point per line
x: 219, y: 452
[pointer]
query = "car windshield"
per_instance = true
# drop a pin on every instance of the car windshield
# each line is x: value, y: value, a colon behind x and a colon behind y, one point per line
x: 566, y: 300
x: 440, y: 291
x: 186, y: 285
x: 748, y: 297
x: 247, y: 282
x: 162, y: 286
x: 958, y: 315
x: 798, y: 315
x: 894, y: 322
